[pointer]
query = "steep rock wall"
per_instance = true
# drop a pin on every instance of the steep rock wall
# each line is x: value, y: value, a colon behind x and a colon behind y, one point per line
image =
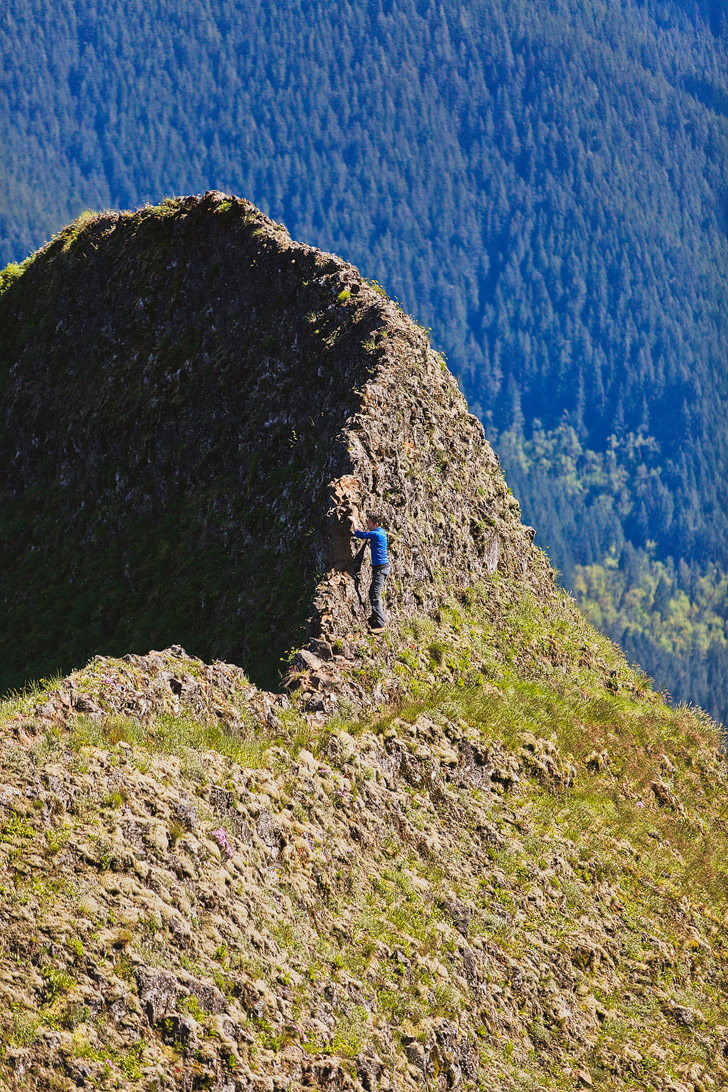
x: 195, y: 407
x: 422, y: 461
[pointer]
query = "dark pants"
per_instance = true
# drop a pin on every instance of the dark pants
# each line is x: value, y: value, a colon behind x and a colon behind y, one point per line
x: 379, y: 575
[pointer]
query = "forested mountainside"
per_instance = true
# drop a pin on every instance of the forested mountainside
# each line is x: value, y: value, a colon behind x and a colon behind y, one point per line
x: 542, y: 183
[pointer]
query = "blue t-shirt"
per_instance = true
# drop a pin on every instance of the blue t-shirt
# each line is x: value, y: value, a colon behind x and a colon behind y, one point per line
x: 378, y: 542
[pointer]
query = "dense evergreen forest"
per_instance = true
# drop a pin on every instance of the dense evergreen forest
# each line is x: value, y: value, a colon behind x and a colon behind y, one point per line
x: 543, y: 182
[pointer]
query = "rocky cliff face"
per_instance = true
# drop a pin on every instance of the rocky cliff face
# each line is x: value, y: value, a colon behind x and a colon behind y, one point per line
x: 194, y: 407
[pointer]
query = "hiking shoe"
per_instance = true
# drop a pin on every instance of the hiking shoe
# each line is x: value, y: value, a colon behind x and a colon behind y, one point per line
x: 377, y: 629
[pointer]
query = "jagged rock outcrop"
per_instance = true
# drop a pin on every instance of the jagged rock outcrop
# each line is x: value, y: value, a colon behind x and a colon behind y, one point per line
x: 194, y: 409
x: 142, y: 688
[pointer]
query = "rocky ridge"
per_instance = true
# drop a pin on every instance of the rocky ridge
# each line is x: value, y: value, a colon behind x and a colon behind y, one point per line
x: 191, y: 402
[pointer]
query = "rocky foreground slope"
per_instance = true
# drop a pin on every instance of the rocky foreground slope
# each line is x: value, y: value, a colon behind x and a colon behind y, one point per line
x: 519, y: 885
x: 477, y: 852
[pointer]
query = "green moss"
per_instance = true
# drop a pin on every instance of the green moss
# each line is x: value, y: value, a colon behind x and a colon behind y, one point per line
x: 12, y: 273
x: 56, y: 982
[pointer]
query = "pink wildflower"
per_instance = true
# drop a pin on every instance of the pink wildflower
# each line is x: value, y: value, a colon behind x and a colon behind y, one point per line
x: 221, y: 838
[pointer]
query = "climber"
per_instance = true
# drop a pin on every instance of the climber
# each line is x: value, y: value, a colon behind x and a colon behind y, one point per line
x: 381, y: 569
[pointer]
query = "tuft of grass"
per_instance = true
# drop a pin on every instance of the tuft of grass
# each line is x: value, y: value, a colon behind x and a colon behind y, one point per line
x: 24, y: 1026
x: 180, y: 735
x: 350, y: 1033
x: 12, y: 273
x: 70, y: 234
x: 437, y: 651
x: 168, y: 207
x: 75, y: 946
x: 21, y: 702
x: 16, y: 826
x: 57, y: 981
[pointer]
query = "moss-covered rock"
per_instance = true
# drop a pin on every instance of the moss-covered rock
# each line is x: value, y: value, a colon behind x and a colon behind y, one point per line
x: 201, y: 889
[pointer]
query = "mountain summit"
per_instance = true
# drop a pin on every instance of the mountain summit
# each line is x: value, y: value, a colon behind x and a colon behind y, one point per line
x: 195, y: 408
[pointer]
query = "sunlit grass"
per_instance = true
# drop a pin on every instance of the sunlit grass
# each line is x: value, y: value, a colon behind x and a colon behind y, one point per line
x: 171, y: 735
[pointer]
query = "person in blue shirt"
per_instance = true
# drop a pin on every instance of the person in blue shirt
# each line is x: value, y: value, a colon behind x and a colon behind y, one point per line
x: 381, y: 569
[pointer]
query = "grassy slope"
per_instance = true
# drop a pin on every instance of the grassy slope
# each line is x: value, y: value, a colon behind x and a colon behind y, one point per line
x: 388, y: 906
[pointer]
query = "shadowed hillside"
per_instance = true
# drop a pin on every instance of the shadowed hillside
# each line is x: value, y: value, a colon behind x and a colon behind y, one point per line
x: 185, y: 392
